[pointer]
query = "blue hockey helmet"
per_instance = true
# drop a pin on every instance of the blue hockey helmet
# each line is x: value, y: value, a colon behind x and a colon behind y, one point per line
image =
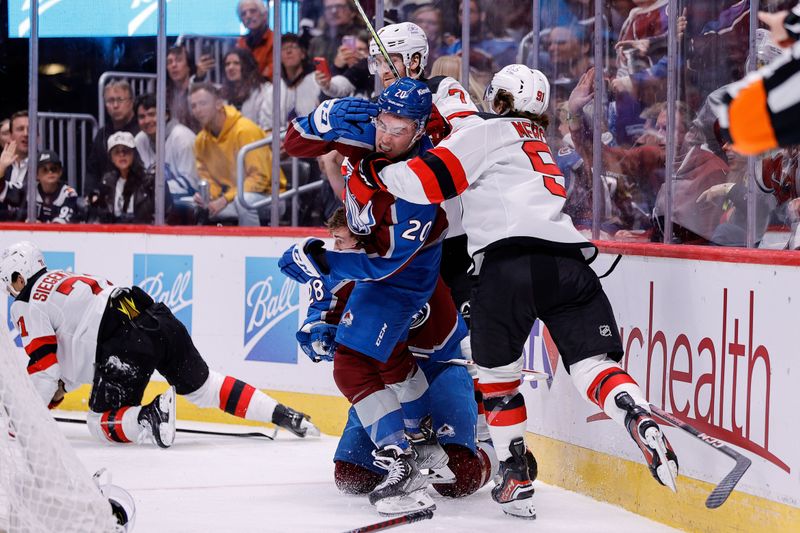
x: 407, y: 98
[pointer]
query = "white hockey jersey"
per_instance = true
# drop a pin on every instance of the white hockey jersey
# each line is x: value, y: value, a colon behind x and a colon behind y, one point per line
x: 58, y: 316
x: 511, y: 189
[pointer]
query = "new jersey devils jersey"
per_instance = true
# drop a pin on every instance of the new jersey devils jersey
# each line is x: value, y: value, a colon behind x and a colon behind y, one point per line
x: 510, y: 186
x: 58, y: 315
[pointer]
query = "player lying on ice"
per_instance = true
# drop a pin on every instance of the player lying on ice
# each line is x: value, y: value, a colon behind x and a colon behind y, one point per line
x: 531, y: 262
x: 436, y: 331
x: 395, y: 274
x: 79, y: 329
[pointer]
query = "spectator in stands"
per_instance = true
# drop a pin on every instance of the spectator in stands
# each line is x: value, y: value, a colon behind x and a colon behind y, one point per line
x: 118, y: 98
x: 253, y: 15
x: 243, y: 86
x: 642, y: 37
x: 180, y: 170
x: 569, y: 53
x: 14, y: 168
x: 299, y: 90
x: 225, y: 131
x: 429, y: 18
x: 5, y: 132
x: 180, y: 74
x: 451, y: 66
x: 489, y: 52
x: 350, y: 71
x: 56, y: 201
x: 340, y: 19
x: 127, y: 192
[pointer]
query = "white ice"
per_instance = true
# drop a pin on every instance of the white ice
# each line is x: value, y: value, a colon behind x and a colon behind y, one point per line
x: 233, y: 484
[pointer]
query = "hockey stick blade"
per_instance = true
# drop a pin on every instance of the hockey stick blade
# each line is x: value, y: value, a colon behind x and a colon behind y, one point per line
x: 185, y: 430
x: 721, y: 492
x: 527, y: 374
x: 409, y: 518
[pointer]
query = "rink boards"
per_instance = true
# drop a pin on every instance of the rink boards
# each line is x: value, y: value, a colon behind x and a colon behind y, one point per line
x: 708, y: 333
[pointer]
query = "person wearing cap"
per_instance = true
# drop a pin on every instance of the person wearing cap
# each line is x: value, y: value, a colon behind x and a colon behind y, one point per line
x: 126, y: 193
x: 55, y: 200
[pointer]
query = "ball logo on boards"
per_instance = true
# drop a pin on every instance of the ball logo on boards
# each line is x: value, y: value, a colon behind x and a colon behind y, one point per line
x: 271, y: 312
x: 167, y: 279
x: 54, y: 261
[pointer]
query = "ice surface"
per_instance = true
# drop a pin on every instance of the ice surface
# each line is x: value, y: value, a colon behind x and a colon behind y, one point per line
x: 232, y: 484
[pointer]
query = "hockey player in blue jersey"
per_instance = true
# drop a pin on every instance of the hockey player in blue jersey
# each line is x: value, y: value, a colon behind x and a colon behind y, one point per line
x: 395, y: 272
x: 435, y: 333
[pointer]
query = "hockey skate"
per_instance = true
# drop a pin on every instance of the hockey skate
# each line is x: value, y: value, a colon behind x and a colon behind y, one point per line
x: 157, y: 419
x: 658, y: 453
x: 514, y: 489
x: 403, y: 490
x: 295, y: 421
x: 431, y: 457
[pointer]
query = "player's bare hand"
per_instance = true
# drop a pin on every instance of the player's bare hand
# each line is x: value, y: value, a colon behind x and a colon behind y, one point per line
x: 774, y: 22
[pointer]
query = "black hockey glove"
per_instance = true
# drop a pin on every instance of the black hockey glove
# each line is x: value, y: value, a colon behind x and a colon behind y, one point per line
x: 369, y: 169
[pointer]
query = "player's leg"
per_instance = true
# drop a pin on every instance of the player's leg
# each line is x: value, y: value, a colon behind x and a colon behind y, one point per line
x: 183, y: 366
x: 354, y: 472
x: 115, y: 414
x: 502, y: 316
x: 359, y: 379
x: 584, y: 329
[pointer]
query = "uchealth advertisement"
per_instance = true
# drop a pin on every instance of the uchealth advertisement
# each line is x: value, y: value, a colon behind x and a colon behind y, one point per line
x: 712, y: 342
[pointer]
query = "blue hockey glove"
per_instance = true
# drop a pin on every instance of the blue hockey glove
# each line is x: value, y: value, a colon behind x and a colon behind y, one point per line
x: 346, y: 118
x: 317, y: 339
x: 304, y: 260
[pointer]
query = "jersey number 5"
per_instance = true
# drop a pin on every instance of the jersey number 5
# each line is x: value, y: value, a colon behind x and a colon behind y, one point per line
x: 67, y: 285
x: 542, y: 162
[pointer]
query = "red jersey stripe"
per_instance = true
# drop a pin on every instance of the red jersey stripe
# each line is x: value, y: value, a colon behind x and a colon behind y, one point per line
x: 38, y: 342
x: 455, y: 168
x: 428, y: 180
x: 244, y: 401
x: 507, y: 417
x: 225, y: 391
x: 43, y: 364
x: 612, y: 383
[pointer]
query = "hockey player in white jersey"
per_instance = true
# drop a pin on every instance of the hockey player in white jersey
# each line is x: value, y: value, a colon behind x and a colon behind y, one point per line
x: 531, y: 263
x: 79, y: 329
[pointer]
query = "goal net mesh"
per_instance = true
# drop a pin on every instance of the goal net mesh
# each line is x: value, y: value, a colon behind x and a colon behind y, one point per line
x: 43, y: 486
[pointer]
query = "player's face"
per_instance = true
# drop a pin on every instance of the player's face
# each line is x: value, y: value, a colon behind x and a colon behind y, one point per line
x: 394, y: 135
x: 147, y: 120
x: 384, y: 72
x: 343, y: 239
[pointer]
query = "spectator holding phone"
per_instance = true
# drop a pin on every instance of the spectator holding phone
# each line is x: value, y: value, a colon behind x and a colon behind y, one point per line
x: 253, y: 15
x: 349, y: 75
x: 340, y: 19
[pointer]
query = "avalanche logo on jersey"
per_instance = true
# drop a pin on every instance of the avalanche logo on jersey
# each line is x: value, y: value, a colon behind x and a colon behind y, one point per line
x: 541, y: 347
x: 271, y: 312
x: 359, y: 220
x: 54, y: 261
x: 167, y: 279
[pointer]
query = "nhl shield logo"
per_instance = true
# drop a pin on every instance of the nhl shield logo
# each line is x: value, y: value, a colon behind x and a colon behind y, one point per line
x: 605, y: 330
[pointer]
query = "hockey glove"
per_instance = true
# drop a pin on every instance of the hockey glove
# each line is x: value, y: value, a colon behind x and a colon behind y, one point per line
x: 369, y: 169
x: 438, y: 127
x: 304, y: 260
x: 346, y: 118
x: 317, y: 339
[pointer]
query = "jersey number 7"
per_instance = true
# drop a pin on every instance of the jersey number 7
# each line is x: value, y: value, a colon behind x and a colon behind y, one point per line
x: 542, y: 162
x: 66, y: 286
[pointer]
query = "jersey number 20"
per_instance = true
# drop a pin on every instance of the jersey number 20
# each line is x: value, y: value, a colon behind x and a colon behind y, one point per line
x: 542, y: 161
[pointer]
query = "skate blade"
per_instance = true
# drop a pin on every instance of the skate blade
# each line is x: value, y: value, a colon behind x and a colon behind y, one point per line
x: 439, y: 475
x: 667, y: 471
x: 415, y: 501
x: 520, y: 509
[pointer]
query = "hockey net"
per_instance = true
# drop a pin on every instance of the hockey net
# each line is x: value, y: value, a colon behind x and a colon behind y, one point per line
x: 43, y: 485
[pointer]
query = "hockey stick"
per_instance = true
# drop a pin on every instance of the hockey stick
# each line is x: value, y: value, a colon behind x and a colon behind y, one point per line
x: 527, y: 375
x: 409, y: 518
x: 728, y: 483
x: 194, y: 431
x: 378, y: 41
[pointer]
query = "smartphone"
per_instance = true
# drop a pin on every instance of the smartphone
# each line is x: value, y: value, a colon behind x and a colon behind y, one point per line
x: 321, y: 65
x: 349, y: 41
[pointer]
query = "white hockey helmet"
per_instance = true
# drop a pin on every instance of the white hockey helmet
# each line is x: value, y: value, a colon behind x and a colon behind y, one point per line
x: 529, y: 87
x: 23, y: 258
x: 405, y: 39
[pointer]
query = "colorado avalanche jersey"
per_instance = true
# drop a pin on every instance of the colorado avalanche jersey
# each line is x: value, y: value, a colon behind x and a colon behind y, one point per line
x: 511, y: 189
x: 58, y: 315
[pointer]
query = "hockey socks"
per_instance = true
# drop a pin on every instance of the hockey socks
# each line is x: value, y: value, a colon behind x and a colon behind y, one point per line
x: 503, y: 404
x: 599, y: 380
x: 155, y: 420
x: 233, y: 396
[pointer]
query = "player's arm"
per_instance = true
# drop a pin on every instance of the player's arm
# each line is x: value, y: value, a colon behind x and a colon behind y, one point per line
x: 440, y: 174
x: 342, y: 124
x: 759, y: 113
x: 39, y: 342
